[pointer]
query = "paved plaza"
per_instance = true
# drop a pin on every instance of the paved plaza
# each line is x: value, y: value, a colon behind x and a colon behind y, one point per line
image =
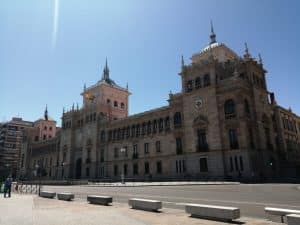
x: 32, y: 210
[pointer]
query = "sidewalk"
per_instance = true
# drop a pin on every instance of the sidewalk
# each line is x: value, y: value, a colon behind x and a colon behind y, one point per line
x: 32, y: 210
x: 172, y: 183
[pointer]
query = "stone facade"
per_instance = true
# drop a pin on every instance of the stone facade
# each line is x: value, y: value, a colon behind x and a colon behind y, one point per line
x: 224, y: 124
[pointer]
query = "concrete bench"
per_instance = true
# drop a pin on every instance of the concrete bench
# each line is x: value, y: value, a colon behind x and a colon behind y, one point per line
x: 280, y: 212
x: 145, y: 204
x: 213, y: 212
x: 101, y: 200
x: 65, y: 196
x: 47, y: 194
x: 293, y: 219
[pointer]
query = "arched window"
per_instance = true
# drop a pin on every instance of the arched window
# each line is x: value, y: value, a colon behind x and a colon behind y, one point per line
x: 206, y: 80
x: 102, y: 136
x: 122, y: 105
x: 246, y: 108
x: 133, y: 131
x: 177, y: 119
x: 137, y: 130
x: 154, y: 126
x: 229, y: 109
x: 161, y: 125
x: 115, y: 104
x: 149, y: 127
x: 167, y: 123
x: 143, y: 128
x: 108, y: 101
x: 127, y: 132
x: 189, y: 86
x: 197, y: 83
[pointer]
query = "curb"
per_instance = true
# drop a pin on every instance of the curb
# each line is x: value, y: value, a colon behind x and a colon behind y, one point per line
x: 160, y: 184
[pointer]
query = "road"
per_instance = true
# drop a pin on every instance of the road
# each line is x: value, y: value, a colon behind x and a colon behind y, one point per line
x: 250, y: 198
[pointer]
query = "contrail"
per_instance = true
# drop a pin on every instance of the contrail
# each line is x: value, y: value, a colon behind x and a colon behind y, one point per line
x: 55, y: 22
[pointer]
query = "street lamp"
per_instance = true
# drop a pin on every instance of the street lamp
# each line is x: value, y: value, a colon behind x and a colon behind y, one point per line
x: 38, y: 174
x: 123, y: 150
x: 62, y: 170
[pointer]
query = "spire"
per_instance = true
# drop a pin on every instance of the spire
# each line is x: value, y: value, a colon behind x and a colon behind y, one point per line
x: 73, y: 107
x: 247, y: 54
x: 182, y: 62
x: 105, y: 75
x: 63, y: 110
x: 127, y: 86
x: 84, y: 87
x: 212, y: 33
x: 260, y: 59
x: 46, y: 113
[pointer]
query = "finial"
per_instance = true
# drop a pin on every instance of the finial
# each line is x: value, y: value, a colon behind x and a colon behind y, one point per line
x: 212, y: 33
x: 260, y: 59
x: 73, y: 107
x: 182, y: 62
x: 105, y: 71
x: 127, y: 86
x: 247, y: 54
x: 46, y: 113
x: 63, y: 110
x: 84, y: 87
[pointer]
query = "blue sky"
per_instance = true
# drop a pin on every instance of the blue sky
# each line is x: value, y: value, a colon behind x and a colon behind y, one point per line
x: 143, y: 41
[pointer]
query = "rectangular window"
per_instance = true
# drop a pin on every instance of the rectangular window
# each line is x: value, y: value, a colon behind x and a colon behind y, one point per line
x: 241, y: 163
x: 116, y: 171
x: 102, y: 155
x: 146, y: 148
x: 157, y: 146
x: 135, y: 151
x: 236, y: 163
x: 116, y: 152
x: 231, y: 164
x: 178, y: 146
x: 233, y: 139
x: 158, y: 167
x: 125, y: 169
x: 203, y: 165
x: 202, y: 142
x: 147, y: 169
x: 135, y: 169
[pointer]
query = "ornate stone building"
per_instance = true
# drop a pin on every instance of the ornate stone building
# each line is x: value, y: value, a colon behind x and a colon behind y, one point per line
x: 224, y: 123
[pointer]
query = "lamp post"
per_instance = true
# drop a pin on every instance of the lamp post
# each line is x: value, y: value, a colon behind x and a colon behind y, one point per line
x: 62, y: 170
x: 38, y: 174
x: 123, y: 150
